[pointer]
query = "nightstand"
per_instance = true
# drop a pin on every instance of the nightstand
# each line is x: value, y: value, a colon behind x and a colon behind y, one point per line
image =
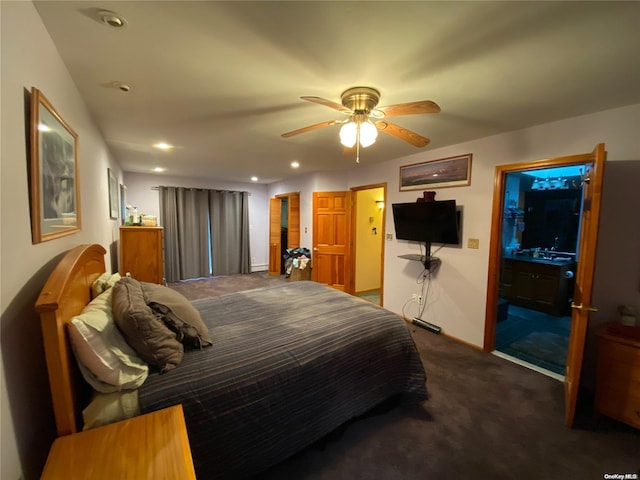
x: 618, y: 374
x: 153, y: 446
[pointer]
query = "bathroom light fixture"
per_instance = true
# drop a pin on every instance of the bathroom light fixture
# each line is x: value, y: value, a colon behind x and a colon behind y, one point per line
x: 254, y: 179
x: 295, y: 164
x: 159, y: 169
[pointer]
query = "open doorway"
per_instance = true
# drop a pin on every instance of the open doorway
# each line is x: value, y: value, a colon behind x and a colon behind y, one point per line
x: 581, y: 305
x: 284, y: 229
x: 539, y: 253
x: 368, y: 241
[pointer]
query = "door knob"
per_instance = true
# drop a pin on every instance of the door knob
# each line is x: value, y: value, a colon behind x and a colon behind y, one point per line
x: 583, y: 307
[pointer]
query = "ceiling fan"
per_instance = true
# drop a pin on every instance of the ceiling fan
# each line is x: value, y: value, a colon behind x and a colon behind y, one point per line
x: 364, y: 121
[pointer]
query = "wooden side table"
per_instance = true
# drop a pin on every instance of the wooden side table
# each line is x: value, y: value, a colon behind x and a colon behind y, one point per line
x: 618, y: 374
x: 153, y: 446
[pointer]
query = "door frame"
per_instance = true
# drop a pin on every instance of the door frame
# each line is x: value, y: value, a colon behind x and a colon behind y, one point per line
x: 586, y: 265
x: 351, y: 286
x: 293, y: 234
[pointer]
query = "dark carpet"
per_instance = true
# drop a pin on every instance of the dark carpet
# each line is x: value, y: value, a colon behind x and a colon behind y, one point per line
x: 486, y: 418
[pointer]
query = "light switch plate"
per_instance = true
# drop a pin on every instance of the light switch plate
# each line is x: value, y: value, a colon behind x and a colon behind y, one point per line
x: 473, y: 243
x: 389, y: 236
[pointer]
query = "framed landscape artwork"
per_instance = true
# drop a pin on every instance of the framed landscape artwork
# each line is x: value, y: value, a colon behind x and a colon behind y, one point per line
x: 53, y: 173
x: 445, y: 172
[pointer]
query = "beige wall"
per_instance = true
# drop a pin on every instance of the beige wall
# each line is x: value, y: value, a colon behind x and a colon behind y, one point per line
x: 29, y: 58
x: 368, y: 261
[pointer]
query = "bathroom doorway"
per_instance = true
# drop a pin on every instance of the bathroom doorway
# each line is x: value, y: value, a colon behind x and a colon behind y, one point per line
x: 581, y: 301
x: 539, y: 252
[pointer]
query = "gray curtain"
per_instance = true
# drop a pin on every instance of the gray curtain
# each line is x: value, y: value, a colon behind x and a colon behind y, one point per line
x: 184, y: 214
x: 169, y: 220
x: 229, y: 220
x: 205, y: 232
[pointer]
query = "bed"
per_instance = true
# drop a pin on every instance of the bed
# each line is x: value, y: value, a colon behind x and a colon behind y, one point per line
x: 287, y: 365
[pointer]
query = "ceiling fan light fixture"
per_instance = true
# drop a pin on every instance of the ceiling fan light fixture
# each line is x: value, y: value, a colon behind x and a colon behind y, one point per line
x: 348, y: 134
x: 352, y: 131
x: 368, y: 134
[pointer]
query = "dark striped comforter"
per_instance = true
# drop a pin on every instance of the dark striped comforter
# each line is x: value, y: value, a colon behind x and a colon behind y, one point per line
x: 288, y: 365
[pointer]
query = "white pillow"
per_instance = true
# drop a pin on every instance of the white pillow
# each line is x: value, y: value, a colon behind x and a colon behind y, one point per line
x: 103, y: 283
x: 106, y: 360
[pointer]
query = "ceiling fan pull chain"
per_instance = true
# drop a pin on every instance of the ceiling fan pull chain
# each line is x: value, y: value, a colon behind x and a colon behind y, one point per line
x: 358, y: 143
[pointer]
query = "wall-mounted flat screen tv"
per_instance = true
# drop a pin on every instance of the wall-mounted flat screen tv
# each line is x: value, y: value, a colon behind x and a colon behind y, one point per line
x: 427, y: 222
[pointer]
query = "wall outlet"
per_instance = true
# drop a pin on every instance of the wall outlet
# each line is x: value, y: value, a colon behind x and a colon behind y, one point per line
x: 389, y: 236
x: 416, y: 297
x: 473, y: 243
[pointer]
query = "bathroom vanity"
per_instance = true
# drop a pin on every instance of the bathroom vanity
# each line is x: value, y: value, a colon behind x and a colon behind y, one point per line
x: 545, y: 285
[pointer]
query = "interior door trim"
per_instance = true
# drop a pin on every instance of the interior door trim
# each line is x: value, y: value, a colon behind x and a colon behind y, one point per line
x: 354, y: 190
x: 493, y: 280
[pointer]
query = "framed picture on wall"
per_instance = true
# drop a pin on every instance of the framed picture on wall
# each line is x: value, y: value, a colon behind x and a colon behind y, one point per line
x: 445, y: 172
x: 53, y: 173
x: 113, y: 194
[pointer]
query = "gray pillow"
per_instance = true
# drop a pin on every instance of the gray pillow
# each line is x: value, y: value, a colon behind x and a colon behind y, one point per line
x: 178, y: 314
x: 143, y: 330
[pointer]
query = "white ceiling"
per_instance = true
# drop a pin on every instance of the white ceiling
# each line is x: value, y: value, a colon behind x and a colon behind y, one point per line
x: 222, y: 80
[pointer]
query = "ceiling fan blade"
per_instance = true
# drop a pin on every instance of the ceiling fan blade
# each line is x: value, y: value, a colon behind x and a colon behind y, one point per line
x: 403, y: 134
x: 327, y: 103
x: 310, y: 127
x: 411, y: 108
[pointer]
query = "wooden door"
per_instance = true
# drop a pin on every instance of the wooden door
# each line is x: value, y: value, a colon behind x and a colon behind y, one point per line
x: 331, y: 238
x: 274, y: 236
x: 581, y: 306
x: 293, y: 213
x: 585, y: 268
x: 275, y: 223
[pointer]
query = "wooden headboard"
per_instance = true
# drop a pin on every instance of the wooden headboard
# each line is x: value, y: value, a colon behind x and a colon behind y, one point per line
x: 64, y: 295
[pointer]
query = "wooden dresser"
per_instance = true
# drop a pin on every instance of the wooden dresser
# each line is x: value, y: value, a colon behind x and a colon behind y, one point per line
x: 141, y: 253
x: 618, y: 376
x: 154, y: 446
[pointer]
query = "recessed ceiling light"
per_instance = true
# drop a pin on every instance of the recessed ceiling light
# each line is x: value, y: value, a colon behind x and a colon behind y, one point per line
x: 295, y: 164
x: 112, y: 19
x: 159, y: 169
x: 162, y: 146
x: 254, y: 179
